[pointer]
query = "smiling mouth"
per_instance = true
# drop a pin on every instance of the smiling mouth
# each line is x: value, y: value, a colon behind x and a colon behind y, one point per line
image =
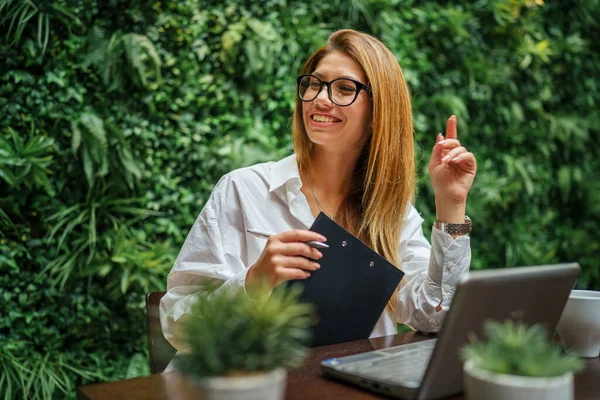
x: 323, y: 118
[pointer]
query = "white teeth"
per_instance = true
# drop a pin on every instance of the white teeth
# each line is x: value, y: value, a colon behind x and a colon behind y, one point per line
x: 322, y: 118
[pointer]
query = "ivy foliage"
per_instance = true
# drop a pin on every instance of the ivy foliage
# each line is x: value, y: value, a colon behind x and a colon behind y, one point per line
x: 117, y: 118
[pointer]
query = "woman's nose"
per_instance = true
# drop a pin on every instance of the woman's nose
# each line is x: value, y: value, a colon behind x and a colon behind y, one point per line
x: 323, y: 97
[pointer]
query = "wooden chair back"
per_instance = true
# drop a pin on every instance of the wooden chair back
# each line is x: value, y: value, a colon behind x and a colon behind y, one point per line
x: 159, y: 349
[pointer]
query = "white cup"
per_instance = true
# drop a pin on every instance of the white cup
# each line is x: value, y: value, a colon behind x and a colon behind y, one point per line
x: 579, y: 325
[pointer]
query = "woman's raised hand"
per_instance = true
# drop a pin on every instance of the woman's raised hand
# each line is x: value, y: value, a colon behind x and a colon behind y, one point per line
x: 286, y: 257
x: 452, y: 169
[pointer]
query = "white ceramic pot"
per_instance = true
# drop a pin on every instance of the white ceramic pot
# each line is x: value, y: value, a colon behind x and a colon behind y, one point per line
x: 263, y: 386
x: 579, y: 325
x: 482, y: 384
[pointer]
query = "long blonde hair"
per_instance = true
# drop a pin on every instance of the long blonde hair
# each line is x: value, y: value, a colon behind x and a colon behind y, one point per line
x: 383, y: 181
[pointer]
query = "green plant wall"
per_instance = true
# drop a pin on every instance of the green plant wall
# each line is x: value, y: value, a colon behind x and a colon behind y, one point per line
x: 117, y: 118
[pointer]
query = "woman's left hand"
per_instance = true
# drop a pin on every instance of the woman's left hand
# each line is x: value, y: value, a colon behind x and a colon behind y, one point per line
x: 452, y: 168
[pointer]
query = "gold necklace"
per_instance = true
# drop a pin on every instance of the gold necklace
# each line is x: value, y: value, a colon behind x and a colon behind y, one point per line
x: 317, y: 200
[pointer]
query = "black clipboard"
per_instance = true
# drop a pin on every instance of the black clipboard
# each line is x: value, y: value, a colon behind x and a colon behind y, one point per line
x: 350, y: 290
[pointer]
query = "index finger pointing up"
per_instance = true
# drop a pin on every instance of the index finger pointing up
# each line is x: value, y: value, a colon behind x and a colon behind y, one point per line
x: 451, y: 128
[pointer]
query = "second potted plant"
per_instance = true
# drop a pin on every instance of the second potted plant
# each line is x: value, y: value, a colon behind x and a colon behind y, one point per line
x: 518, y: 363
x: 239, y: 347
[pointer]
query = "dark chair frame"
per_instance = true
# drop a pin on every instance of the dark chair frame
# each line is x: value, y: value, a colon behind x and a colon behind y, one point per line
x: 160, y: 350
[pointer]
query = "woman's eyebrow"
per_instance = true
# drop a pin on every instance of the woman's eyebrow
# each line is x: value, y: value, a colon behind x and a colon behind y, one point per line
x: 320, y: 75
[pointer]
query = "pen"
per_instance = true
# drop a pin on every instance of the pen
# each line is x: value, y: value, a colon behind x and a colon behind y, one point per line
x: 312, y: 243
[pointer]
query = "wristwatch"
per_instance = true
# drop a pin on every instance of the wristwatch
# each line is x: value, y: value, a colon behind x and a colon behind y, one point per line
x: 454, y: 229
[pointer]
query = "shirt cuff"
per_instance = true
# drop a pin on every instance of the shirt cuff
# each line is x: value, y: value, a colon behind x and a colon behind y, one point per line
x: 236, y: 282
x: 447, y: 265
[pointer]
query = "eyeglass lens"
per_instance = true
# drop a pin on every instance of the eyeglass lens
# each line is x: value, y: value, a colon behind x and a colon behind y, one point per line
x: 342, y: 92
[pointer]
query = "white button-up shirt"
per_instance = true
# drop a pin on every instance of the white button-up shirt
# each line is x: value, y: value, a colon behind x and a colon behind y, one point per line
x: 267, y: 197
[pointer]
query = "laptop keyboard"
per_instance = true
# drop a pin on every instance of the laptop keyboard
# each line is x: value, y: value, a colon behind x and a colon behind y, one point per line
x: 402, y: 365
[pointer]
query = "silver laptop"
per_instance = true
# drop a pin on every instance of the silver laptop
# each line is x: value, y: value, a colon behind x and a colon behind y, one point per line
x: 432, y: 369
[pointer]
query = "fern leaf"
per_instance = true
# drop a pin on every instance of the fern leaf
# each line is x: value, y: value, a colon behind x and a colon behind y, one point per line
x: 113, y: 54
x: 97, y: 45
x: 128, y: 162
x: 76, y: 137
x: 92, y: 233
x: 103, y: 169
x: 88, y: 167
x: 95, y: 126
x: 139, y: 49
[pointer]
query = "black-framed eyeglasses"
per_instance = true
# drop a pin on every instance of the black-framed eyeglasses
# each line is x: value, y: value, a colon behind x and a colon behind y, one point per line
x: 342, y: 91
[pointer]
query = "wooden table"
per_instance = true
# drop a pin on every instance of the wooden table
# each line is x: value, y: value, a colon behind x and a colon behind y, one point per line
x: 304, y: 383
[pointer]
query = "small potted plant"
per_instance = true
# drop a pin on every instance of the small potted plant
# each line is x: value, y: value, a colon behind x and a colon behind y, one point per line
x: 518, y: 362
x: 239, y: 347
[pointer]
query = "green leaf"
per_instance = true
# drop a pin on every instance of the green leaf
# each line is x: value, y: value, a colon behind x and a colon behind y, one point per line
x: 37, y: 144
x: 118, y: 259
x: 529, y: 187
x: 564, y: 182
x: 76, y: 137
x: 8, y: 177
x: 125, y: 279
x: 88, y: 167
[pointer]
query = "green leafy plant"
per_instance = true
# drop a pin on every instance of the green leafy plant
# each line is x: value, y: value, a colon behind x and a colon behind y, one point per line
x: 131, y: 261
x: 41, y: 376
x: 516, y: 349
x: 26, y: 162
x: 40, y: 360
x: 123, y: 57
x: 212, y: 89
x: 229, y: 333
x: 103, y: 149
x: 89, y: 135
x: 18, y: 13
x: 88, y: 228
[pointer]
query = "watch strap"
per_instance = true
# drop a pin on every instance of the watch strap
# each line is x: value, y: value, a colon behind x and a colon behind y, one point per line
x: 454, y: 229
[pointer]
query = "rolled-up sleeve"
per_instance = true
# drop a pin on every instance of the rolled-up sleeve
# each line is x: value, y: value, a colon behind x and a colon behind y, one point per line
x: 431, y: 273
x: 212, y: 252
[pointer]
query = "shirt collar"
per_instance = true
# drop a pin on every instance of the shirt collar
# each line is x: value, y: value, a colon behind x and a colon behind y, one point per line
x: 285, y: 183
x: 284, y: 174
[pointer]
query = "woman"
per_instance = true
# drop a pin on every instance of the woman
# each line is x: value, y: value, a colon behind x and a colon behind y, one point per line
x: 354, y: 161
